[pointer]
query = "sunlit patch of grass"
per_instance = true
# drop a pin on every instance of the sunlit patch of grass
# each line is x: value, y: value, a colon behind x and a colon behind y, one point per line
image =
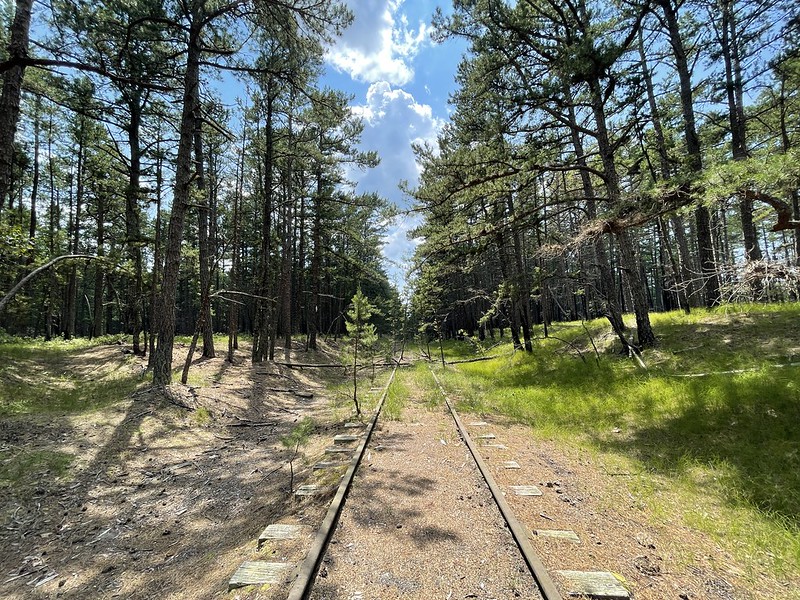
x: 396, y: 398
x: 420, y: 377
x: 41, y: 377
x: 202, y: 416
x: 725, y: 444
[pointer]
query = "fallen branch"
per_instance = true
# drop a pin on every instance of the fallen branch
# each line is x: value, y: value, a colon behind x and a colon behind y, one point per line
x: 478, y: 359
x: 733, y: 371
x: 237, y: 293
x: 310, y: 365
x: 248, y: 423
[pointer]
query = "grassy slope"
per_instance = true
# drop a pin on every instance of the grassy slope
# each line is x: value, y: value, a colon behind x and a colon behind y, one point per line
x: 722, y: 450
x: 40, y: 377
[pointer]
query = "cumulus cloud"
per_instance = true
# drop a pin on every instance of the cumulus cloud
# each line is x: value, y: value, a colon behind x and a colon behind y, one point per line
x: 380, y: 44
x: 394, y: 121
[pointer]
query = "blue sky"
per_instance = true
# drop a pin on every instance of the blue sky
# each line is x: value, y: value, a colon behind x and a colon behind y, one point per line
x: 400, y: 82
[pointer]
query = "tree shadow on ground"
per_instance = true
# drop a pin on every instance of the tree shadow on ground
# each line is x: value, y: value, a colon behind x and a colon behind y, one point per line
x: 740, y: 429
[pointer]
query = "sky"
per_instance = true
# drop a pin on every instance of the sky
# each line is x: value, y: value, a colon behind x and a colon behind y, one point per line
x: 400, y: 81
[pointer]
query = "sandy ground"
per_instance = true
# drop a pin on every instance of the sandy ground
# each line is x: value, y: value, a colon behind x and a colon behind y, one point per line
x: 420, y: 522
x: 160, y: 501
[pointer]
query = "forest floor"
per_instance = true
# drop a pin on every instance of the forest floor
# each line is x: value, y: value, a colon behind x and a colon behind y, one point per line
x: 139, y: 497
x: 111, y: 490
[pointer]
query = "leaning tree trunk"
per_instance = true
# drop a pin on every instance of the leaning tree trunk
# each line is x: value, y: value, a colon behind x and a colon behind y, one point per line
x: 628, y: 257
x: 604, y: 279
x: 162, y: 362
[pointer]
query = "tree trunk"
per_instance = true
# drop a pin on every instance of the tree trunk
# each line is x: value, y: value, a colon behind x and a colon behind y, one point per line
x: 35, y: 183
x: 705, y: 242
x: 316, y: 261
x: 10, y: 97
x: 729, y: 47
x: 521, y: 284
x: 154, y: 296
x: 261, y: 328
x: 71, y: 308
x: 233, y: 308
x: 286, y: 276
x: 628, y: 257
x: 100, y: 274
x: 132, y: 225
x: 162, y: 363
x: 55, y: 225
x: 604, y: 279
x: 203, y: 241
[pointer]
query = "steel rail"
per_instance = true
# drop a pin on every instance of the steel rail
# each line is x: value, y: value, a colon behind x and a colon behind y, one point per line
x: 537, y: 569
x: 301, y: 588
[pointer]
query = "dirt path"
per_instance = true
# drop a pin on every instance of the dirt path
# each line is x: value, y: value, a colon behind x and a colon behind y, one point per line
x: 420, y: 522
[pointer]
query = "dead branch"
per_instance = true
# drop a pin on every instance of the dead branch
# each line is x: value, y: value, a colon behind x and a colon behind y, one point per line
x: 219, y: 293
x: 478, y: 359
x: 10, y: 295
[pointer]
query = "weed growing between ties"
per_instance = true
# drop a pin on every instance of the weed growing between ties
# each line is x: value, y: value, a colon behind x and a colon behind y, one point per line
x: 722, y: 448
x: 396, y: 397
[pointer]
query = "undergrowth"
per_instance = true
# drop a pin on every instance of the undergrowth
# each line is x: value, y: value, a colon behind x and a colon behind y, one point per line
x: 727, y: 440
x: 41, y: 377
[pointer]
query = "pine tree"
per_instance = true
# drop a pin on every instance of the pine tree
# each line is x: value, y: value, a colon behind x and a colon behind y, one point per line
x: 362, y: 334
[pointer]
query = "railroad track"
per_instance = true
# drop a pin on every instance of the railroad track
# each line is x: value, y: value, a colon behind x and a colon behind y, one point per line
x: 300, y: 578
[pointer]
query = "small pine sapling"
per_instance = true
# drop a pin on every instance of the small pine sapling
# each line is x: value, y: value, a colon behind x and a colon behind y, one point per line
x: 361, y: 333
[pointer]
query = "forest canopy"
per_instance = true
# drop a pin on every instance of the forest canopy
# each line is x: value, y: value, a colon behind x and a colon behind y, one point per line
x: 170, y: 209
x: 607, y: 157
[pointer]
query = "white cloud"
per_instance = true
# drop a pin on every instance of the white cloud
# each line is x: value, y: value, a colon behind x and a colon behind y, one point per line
x: 380, y: 44
x: 398, y: 248
x: 394, y: 120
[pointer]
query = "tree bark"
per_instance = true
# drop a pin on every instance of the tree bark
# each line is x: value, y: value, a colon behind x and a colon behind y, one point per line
x: 604, y: 281
x: 628, y: 255
x: 132, y: 224
x: 316, y: 259
x: 705, y: 243
x: 35, y: 183
x: 71, y: 308
x: 12, y: 90
x: 154, y: 296
x: 202, y: 233
x: 162, y: 363
x: 261, y: 329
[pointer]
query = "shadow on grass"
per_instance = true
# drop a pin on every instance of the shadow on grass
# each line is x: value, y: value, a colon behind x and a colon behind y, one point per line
x: 741, y: 428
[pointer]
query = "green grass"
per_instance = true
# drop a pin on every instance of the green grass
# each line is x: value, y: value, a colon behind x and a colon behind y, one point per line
x: 727, y: 443
x: 396, y: 398
x: 52, y: 377
x: 26, y: 465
